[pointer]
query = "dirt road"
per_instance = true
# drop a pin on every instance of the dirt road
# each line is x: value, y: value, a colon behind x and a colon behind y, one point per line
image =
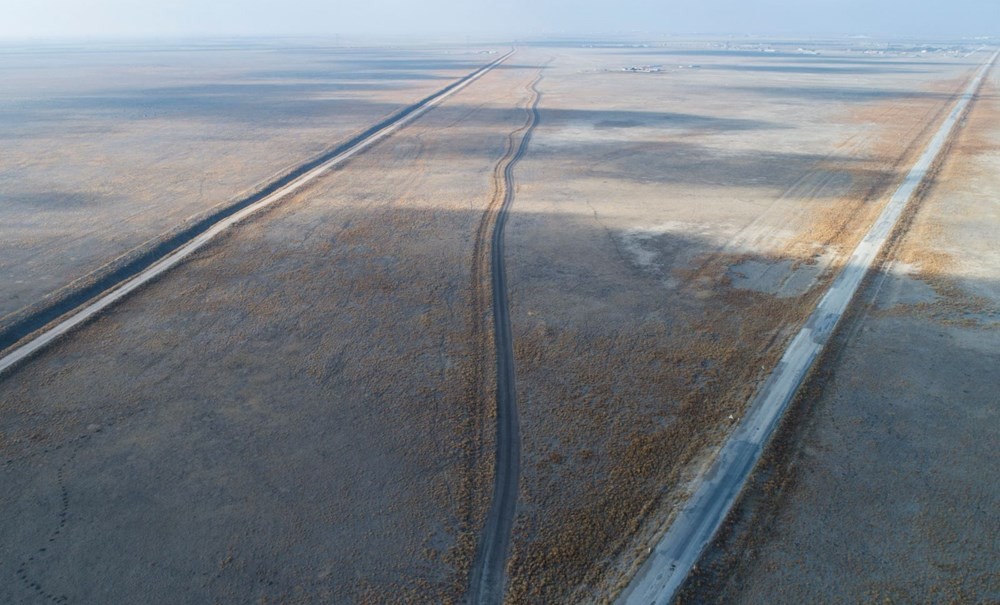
x: 304, y: 409
x: 488, y: 573
x: 283, y: 417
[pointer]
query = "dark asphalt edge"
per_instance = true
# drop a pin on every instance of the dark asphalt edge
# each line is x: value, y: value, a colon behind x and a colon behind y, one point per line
x: 25, y: 322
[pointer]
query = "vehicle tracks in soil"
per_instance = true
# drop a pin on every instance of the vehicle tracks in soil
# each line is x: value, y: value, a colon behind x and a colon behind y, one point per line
x: 487, y: 580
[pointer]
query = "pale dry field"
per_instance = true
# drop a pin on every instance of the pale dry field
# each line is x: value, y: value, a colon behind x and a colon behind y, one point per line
x: 670, y: 231
x: 303, y: 411
x: 884, y: 487
x: 297, y: 414
x: 107, y: 148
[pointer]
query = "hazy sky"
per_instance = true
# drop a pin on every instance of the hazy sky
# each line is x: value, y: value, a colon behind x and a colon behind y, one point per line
x: 132, y: 18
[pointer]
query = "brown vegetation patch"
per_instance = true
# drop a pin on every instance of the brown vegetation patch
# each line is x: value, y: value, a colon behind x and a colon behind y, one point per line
x: 634, y: 410
x: 925, y: 244
x: 880, y: 158
x: 747, y: 553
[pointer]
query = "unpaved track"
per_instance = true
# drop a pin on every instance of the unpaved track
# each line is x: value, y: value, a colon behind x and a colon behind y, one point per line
x: 272, y: 411
x: 81, y: 305
x: 677, y: 552
x: 487, y: 579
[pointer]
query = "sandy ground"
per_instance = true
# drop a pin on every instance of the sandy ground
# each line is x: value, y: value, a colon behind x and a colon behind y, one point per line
x: 106, y: 148
x: 292, y: 416
x: 884, y: 486
x: 671, y: 228
x: 301, y: 413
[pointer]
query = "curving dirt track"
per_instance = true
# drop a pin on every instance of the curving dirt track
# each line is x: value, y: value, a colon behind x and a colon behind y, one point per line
x: 303, y: 410
x: 487, y: 581
x: 264, y: 434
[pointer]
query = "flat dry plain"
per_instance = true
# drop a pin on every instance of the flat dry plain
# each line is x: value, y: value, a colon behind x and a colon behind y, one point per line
x: 303, y: 411
x: 885, y: 487
x: 291, y: 416
x: 107, y: 148
x: 670, y: 230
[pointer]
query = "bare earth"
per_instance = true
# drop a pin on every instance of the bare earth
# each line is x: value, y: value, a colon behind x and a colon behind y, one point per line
x: 303, y: 412
x: 291, y: 416
x: 671, y: 230
x: 107, y: 148
x: 884, y: 487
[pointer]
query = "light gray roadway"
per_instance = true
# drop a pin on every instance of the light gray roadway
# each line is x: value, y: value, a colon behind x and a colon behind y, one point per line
x: 172, y: 258
x: 679, y: 549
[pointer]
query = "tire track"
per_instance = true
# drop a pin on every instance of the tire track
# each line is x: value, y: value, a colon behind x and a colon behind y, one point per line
x: 100, y: 290
x: 488, y: 571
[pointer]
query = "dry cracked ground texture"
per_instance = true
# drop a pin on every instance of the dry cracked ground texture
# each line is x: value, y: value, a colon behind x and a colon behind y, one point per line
x: 884, y: 487
x: 669, y: 232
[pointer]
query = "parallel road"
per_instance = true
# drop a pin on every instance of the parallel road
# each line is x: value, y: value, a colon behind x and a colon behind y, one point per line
x: 147, y: 269
x: 679, y: 549
x: 488, y: 571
